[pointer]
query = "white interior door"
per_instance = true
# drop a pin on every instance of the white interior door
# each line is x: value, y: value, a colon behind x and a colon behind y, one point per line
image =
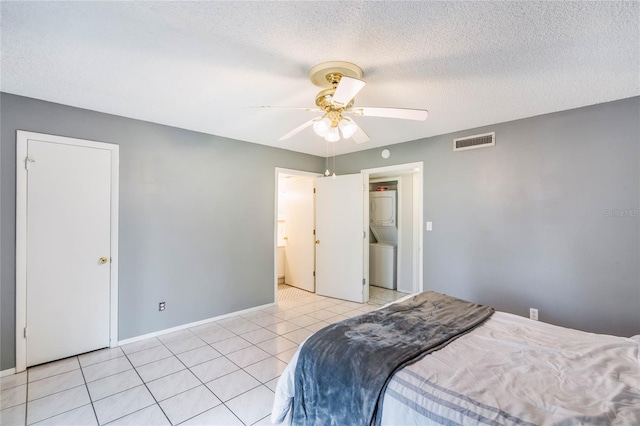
x: 68, y: 250
x: 339, y: 233
x: 299, y: 225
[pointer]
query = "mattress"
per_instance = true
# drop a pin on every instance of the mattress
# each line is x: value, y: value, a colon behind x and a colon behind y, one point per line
x: 510, y: 371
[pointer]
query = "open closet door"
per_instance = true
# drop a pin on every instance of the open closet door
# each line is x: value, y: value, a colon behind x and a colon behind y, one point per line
x: 339, y: 237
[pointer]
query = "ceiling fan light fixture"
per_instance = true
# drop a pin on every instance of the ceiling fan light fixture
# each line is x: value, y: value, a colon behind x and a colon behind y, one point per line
x: 321, y: 127
x: 347, y: 127
x: 333, y: 135
x: 341, y: 82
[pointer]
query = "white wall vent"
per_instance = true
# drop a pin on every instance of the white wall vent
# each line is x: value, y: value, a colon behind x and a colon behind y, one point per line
x: 475, y: 141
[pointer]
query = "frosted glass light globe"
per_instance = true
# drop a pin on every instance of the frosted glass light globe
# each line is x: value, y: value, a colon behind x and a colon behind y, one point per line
x: 347, y: 127
x: 321, y: 127
x: 332, y: 135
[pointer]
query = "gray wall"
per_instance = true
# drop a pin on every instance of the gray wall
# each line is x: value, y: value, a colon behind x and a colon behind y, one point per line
x: 523, y: 224
x: 519, y: 225
x: 196, y: 216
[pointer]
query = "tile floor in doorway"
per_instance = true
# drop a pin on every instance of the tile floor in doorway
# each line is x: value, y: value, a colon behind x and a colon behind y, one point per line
x: 287, y: 292
x: 220, y: 373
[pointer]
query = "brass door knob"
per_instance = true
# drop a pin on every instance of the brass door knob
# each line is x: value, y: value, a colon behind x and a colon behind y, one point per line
x: 102, y: 260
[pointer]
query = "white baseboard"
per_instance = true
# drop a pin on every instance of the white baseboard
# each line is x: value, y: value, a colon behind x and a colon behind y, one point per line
x: 8, y: 372
x: 193, y: 324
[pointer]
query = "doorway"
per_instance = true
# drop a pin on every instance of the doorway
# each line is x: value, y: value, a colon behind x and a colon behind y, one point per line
x: 66, y: 247
x: 342, y: 233
x: 295, y: 234
x: 394, y: 259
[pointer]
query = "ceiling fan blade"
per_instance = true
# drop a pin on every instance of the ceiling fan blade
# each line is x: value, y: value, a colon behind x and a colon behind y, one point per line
x: 347, y: 89
x: 297, y: 130
x: 359, y: 136
x: 286, y: 107
x: 403, y: 113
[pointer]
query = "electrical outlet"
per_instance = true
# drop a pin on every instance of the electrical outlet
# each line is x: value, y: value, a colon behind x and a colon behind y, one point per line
x: 161, y: 306
x: 533, y: 314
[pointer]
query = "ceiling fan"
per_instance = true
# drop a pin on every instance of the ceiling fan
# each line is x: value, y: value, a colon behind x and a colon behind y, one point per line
x: 342, y: 82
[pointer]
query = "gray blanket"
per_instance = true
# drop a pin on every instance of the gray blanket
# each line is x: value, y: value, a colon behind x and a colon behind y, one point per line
x: 343, y: 369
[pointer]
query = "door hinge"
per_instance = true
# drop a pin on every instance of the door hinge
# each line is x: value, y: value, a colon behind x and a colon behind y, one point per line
x: 25, y: 332
x: 314, y: 232
x: 314, y: 273
x: 364, y: 282
x: 364, y: 234
x: 314, y: 190
x: 27, y: 161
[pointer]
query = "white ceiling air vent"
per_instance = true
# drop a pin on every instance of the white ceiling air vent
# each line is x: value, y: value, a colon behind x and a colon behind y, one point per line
x: 475, y: 141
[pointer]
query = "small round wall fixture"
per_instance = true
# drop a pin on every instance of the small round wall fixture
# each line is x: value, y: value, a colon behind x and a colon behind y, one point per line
x: 386, y: 153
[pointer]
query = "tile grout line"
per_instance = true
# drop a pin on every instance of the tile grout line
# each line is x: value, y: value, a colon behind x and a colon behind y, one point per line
x: 224, y: 375
x: 2, y: 408
x: 248, y: 373
x: 108, y: 375
x: 148, y: 390
x: 26, y: 402
x: 53, y: 393
x: 48, y: 377
x: 188, y: 369
x: 88, y: 393
x: 100, y: 362
x: 140, y: 350
x: 26, y: 399
x: 147, y: 363
x: 63, y: 412
x: 57, y: 414
x: 207, y: 387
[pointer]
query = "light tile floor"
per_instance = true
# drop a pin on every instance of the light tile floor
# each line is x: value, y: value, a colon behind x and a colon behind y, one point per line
x: 220, y: 373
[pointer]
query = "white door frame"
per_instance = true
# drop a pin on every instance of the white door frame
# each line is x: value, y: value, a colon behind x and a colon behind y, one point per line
x: 398, y: 223
x: 278, y: 171
x: 21, y: 235
x: 418, y: 207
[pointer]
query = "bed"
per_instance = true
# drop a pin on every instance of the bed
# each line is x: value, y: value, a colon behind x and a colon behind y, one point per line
x: 499, y: 370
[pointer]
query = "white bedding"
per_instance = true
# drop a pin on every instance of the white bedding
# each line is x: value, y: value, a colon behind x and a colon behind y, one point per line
x: 510, y: 370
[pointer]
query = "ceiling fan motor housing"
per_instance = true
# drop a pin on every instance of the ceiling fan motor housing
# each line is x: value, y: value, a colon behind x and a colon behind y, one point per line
x: 323, y: 74
x: 324, y: 100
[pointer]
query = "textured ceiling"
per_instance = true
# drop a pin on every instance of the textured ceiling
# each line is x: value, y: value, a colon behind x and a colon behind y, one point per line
x: 200, y: 65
